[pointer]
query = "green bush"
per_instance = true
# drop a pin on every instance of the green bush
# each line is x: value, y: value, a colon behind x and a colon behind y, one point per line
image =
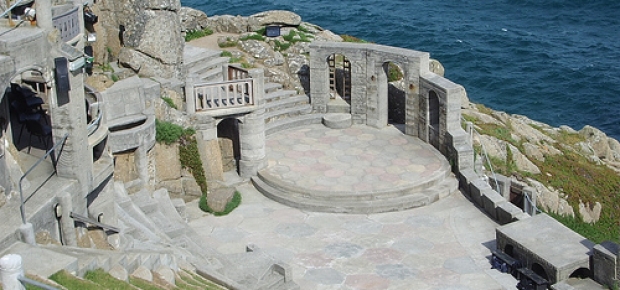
x: 169, y: 133
x: 190, y: 159
x: 230, y: 206
x: 226, y: 54
x: 195, y: 34
x: 253, y: 36
x: 170, y: 102
x: 350, y: 38
x: 281, y: 46
x: 394, y: 73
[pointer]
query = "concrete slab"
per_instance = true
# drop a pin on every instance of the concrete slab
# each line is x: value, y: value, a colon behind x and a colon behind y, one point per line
x: 41, y: 261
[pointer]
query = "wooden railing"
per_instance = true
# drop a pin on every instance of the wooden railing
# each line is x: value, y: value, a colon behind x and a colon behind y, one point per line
x: 237, y: 73
x: 229, y: 94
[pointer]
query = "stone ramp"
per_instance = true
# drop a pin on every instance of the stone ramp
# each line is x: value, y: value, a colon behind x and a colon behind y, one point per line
x: 353, y: 170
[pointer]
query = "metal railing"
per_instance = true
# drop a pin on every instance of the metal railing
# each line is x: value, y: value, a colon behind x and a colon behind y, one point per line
x: 25, y: 280
x: 237, y: 73
x: 22, y: 207
x: 68, y: 24
x: 223, y: 95
x: 94, y: 110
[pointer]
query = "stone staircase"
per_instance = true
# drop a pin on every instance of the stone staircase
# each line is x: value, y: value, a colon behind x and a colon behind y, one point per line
x: 285, y: 109
x: 151, y: 221
x: 204, y: 63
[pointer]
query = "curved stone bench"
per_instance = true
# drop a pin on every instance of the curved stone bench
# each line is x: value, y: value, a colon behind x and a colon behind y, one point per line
x: 337, y: 120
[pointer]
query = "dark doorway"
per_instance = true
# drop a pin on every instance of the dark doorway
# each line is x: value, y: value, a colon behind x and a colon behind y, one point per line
x: 433, y: 118
x: 540, y: 271
x: 228, y: 139
x: 395, y: 93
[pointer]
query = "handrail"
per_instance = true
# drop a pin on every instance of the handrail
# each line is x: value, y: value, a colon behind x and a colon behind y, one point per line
x: 25, y: 280
x: 22, y: 207
x: 94, y: 124
x: 473, y: 130
x: 11, y: 8
x: 84, y: 219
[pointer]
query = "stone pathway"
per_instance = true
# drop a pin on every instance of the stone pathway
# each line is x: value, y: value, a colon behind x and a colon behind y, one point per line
x: 444, y: 245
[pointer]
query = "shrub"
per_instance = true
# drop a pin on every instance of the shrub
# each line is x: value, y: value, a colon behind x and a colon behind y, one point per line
x: 170, y: 102
x: 230, y: 206
x: 226, y: 54
x: 394, y: 72
x: 190, y: 159
x: 169, y: 133
x: 195, y: 34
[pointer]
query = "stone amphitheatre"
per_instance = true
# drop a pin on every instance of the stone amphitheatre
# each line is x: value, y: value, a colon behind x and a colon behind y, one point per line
x: 347, y: 181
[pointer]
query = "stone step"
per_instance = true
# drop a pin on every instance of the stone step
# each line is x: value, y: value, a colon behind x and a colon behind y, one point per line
x: 193, y: 55
x: 285, y: 103
x: 42, y: 261
x: 412, y: 200
x: 337, y: 120
x: 279, y: 95
x: 287, y: 113
x: 210, y: 70
x: 272, y: 87
x: 294, y: 122
x: 144, y: 201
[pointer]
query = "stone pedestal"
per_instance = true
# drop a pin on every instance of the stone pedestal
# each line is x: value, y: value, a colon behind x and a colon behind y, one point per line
x: 252, y: 143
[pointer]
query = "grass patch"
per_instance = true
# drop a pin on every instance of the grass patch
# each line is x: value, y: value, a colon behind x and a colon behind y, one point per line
x: 226, y: 54
x: 114, y: 77
x: 142, y: 284
x: 106, y: 281
x: 350, y: 38
x: 297, y: 36
x: 71, y: 282
x: 394, y: 72
x: 170, y: 102
x: 190, y: 159
x: 483, y: 109
x: 281, y: 46
x: 195, y: 34
x: 230, y: 206
x: 253, y: 36
x: 169, y: 133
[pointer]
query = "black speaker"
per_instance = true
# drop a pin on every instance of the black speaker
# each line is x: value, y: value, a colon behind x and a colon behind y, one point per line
x: 63, y: 86
x: 272, y: 31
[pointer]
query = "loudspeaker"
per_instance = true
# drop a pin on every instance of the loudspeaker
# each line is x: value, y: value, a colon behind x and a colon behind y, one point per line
x: 63, y: 86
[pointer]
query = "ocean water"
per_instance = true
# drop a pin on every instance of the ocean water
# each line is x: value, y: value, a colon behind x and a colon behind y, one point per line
x: 555, y: 61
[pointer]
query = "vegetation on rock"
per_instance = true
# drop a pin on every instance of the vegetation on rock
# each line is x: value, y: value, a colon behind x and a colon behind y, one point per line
x: 230, y: 206
x: 195, y: 34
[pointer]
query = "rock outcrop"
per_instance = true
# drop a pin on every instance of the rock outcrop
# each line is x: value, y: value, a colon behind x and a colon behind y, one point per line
x: 143, y: 35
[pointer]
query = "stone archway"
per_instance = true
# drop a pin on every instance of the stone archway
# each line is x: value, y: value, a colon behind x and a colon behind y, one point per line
x: 540, y: 271
x: 228, y: 139
x: 581, y: 273
x: 339, y: 76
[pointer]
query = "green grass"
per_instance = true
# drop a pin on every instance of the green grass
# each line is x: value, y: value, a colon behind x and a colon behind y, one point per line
x: 71, y: 282
x: 170, y: 102
x: 106, y: 281
x: 253, y: 36
x: 281, y: 46
x: 394, y: 72
x: 143, y: 284
x: 166, y: 132
x: 297, y: 36
x: 196, y: 280
x: 190, y: 159
x: 226, y: 54
x: 228, y: 43
x: 230, y: 206
x: 195, y: 34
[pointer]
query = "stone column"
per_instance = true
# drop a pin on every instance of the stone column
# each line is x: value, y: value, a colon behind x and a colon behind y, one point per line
x: 319, y: 80
x: 209, y: 149
x: 142, y: 163
x: 190, y: 101
x: 44, y: 14
x: 67, y: 226
x: 252, y: 144
x: 74, y: 157
x: 10, y: 271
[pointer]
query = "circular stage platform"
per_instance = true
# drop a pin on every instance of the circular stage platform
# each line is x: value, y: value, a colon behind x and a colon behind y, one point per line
x: 355, y: 170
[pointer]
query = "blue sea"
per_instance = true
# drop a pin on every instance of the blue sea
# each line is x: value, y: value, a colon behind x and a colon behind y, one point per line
x: 554, y: 61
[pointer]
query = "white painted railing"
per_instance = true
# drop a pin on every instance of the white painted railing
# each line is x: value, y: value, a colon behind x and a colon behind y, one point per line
x: 229, y: 94
x: 68, y: 24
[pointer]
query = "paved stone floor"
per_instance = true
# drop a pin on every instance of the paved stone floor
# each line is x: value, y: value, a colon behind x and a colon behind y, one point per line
x: 444, y: 245
x: 356, y: 160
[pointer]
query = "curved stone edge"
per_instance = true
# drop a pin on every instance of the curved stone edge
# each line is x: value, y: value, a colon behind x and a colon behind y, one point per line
x: 337, y: 120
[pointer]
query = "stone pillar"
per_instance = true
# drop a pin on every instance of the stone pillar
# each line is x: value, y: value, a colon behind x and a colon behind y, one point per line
x: 319, y: 80
x: 67, y: 228
x: 501, y: 184
x: 258, y: 86
x: 252, y: 144
x: 190, y: 102
x: 209, y: 149
x: 26, y: 232
x: 10, y: 271
x: 142, y: 163
x: 74, y: 157
x: 44, y: 14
